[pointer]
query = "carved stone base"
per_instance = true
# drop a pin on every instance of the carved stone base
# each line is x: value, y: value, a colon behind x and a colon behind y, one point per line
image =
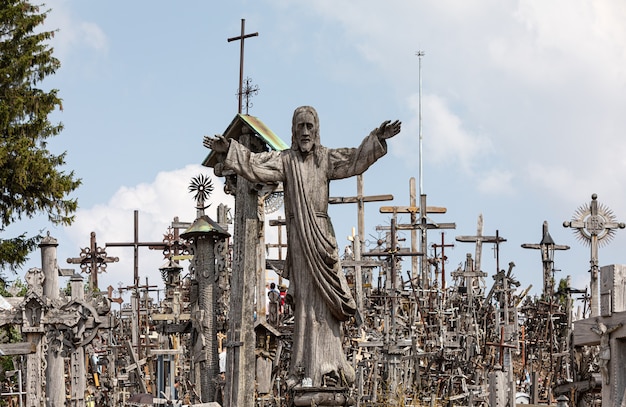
x: 322, y: 396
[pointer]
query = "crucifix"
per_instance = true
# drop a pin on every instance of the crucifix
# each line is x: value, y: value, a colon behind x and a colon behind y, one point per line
x: 609, y: 334
x: 594, y: 224
x: 360, y: 200
x: 241, y: 38
x: 93, y: 260
x: 547, y: 247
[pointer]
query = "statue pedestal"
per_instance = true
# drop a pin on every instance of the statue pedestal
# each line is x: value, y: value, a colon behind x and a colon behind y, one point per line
x: 322, y: 396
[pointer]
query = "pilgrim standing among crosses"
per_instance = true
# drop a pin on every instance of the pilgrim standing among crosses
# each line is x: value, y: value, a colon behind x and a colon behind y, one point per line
x: 317, y: 286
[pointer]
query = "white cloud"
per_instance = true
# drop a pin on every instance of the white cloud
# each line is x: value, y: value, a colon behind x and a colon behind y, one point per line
x: 562, y: 40
x: 73, y: 34
x: 445, y: 140
x: 496, y: 182
x: 158, y: 202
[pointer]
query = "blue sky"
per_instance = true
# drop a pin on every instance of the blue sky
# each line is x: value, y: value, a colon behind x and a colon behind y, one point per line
x: 522, y: 106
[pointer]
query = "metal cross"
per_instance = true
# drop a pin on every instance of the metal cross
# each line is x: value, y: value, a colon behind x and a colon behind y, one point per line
x: 241, y: 38
x: 249, y: 90
x: 135, y: 244
x: 594, y: 224
x: 93, y: 260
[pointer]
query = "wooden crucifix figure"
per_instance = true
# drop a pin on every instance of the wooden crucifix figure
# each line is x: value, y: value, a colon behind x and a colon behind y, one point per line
x: 318, y: 287
x: 610, y: 334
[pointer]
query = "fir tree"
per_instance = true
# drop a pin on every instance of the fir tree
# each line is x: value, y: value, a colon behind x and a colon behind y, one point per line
x: 32, y: 181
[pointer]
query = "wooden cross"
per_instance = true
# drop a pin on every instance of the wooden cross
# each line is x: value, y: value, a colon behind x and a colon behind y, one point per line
x: 423, y: 225
x: 136, y: 366
x: 241, y: 38
x: 479, y: 239
x: 547, y: 247
x: 277, y: 264
x: 135, y: 244
x: 443, y: 246
x: 93, y: 260
x: 360, y: 200
x: 392, y: 254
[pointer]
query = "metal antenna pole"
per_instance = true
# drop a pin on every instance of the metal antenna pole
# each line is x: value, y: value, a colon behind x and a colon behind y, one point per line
x: 420, y: 54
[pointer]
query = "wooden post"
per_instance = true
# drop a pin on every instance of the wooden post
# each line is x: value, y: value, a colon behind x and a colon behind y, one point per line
x: 239, y: 389
x: 55, y: 383
x: 203, y: 235
x: 77, y: 357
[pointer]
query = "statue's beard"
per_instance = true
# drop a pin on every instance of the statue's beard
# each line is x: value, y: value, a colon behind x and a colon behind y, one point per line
x: 306, y: 146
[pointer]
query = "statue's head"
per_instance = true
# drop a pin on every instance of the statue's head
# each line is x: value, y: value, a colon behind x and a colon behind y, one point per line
x: 305, y: 129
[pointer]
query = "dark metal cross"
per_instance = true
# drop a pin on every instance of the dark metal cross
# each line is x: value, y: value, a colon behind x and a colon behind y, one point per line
x: 135, y: 244
x: 249, y: 90
x: 241, y: 38
x: 92, y: 260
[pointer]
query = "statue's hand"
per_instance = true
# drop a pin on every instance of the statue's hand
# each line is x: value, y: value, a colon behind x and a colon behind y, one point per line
x: 218, y: 143
x: 388, y: 129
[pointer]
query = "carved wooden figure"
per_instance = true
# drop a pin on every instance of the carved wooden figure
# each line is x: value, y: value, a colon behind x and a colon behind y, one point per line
x: 317, y: 287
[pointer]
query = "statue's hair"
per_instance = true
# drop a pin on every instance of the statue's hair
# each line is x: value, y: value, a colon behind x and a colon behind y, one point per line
x: 316, y: 121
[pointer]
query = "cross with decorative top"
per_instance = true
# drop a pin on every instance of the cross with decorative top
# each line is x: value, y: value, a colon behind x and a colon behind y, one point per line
x: 93, y: 260
x: 594, y: 224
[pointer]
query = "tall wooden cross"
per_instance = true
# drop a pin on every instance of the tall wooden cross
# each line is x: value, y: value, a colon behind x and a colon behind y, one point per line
x: 443, y: 246
x: 479, y: 239
x: 547, y: 247
x: 277, y: 264
x: 241, y: 38
x: 416, y: 224
x: 93, y: 260
x: 360, y: 200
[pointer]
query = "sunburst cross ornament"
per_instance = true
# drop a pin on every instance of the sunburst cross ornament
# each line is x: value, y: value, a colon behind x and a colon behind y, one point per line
x: 594, y: 224
x: 202, y: 187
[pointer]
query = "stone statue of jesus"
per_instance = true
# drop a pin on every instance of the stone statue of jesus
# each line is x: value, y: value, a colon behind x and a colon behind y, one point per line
x: 317, y: 285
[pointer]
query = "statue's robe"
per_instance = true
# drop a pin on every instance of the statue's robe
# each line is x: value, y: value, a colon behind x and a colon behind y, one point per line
x: 317, y: 284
